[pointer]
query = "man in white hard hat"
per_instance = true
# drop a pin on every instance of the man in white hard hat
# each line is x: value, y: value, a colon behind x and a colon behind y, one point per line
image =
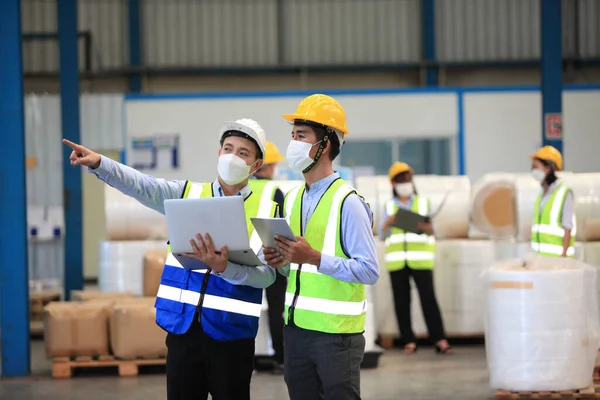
x: 210, y: 315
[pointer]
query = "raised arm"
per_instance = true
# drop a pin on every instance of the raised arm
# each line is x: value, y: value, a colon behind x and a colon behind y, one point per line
x: 148, y: 190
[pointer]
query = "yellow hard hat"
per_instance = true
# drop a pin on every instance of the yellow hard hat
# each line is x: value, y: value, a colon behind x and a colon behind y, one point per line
x: 272, y: 154
x: 321, y: 109
x: 398, y: 168
x: 549, y: 153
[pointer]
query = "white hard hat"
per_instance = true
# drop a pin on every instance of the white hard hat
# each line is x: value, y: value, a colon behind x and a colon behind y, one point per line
x: 251, y: 128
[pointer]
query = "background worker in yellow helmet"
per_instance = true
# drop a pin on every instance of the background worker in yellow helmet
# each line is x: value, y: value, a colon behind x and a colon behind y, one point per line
x: 553, y: 229
x: 262, y: 186
x: 411, y: 255
x: 332, y: 258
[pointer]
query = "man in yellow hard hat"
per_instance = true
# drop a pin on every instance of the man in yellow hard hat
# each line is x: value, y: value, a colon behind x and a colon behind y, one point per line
x: 554, y: 226
x: 275, y: 293
x: 329, y: 263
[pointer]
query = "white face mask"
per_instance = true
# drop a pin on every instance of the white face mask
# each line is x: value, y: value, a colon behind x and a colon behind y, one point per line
x: 297, y: 155
x: 404, y: 189
x: 538, y: 174
x: 232, y: 169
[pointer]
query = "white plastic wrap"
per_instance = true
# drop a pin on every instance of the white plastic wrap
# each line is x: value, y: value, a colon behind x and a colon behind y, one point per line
x: 457, y: 272
x: 493, y: 203
x: 121, y: 265
x: 127, y: 219
x: 541, y: 324
x: 586, y: 192
x: 453, y: 219
x: 502, y: 205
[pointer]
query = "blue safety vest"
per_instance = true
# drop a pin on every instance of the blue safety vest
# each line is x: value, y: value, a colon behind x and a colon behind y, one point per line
x: 227, y: 312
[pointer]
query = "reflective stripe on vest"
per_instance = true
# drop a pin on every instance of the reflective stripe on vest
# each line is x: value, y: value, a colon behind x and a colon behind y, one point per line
x: 407, y: 248
x: 316, y: 301
x: 266, y: 191
x: 229, y: 312
x: 547, y: 232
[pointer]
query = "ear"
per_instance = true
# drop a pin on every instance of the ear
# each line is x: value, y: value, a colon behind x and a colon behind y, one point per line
x: 259, y: 163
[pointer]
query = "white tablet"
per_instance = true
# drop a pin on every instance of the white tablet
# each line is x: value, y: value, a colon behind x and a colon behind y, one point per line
x: 267, y: 228
x: 224, y: 218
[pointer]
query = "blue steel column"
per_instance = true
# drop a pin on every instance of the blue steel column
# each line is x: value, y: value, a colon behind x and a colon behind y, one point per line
x: 551, y: 67
x: 14, y: 287
x: 428, y: 40
x: 135, y: 45
x: 69, y: 107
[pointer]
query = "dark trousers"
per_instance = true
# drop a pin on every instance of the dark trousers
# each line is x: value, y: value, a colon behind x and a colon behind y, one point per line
x: 198, y: 365
x: 322, y: 365
x: 276, y: 301
x: 431, y: 311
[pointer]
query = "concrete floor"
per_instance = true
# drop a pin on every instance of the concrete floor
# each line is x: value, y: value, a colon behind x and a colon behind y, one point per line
x: 424, y: 375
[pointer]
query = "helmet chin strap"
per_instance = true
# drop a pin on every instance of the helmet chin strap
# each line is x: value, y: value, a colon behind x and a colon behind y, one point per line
x: 319, y: 153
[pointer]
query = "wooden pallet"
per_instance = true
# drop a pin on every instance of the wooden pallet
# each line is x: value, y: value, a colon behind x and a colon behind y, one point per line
x: 63, y: 367
x: 593, y: 392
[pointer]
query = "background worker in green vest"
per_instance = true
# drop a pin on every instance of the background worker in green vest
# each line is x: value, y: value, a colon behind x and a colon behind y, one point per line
x: 411, y: 255
x: 554, y: 226
x: 332, y: 258
x: 262, y: 186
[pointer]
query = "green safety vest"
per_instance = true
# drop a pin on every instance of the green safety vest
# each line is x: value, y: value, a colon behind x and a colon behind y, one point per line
x: 316, y: 301
x: 407, y: 248
x: 264, y: 187
x: 254, y: 205
x: 547, y: 232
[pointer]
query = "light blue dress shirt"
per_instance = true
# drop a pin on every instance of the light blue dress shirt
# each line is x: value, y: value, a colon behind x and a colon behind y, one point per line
x: 357, y: 237
x: 152, y: 192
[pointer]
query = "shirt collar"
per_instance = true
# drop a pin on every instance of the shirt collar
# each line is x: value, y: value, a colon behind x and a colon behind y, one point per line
x: 323, y: 183
x: 245, y: 192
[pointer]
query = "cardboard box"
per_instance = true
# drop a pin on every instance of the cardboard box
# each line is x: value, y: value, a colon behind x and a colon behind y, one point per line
x: 76, y: 328
x: 154, y: 262
x: 133, y: 330
x: 87, y: 295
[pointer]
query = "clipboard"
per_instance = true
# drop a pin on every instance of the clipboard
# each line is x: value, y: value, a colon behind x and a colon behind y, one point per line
x: 267, y: 228
x: 408, y: 220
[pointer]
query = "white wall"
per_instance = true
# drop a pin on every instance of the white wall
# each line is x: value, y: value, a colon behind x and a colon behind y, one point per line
x: 198, y: 121
x: 501, y: 128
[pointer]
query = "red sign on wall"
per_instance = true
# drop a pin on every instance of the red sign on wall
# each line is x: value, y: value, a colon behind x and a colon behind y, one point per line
x: 553, y: 126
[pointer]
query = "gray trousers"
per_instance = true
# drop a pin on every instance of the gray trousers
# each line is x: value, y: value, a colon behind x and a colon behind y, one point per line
x: 321, y: 366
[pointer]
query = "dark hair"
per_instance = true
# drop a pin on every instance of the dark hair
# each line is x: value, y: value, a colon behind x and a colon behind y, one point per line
x: 394, y: 193
x: 551, y: 177
x: 320, y: 132
x: 259, y: 154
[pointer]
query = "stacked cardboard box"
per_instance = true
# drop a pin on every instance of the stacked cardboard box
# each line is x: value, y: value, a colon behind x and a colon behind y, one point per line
x: 103, y: 323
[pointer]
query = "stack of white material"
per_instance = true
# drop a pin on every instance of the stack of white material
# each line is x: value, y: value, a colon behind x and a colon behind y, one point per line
x: 453, y: 220
x: 457, y: 276
x: 121, y: 265
x: 542, y: 324
x: 128, y: 219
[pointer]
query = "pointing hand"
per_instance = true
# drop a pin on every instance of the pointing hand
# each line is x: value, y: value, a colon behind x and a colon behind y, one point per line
x: 82, y: 155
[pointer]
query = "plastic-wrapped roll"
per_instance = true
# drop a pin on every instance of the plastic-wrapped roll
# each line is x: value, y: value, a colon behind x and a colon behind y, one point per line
x: 458, y: 267
x: 452, y: 222
x: 542, y: 324
x: 502, y: 205
x: 128, y: 219
x: 493, y: 210
x: 586, y: 192
x: 121, y: 265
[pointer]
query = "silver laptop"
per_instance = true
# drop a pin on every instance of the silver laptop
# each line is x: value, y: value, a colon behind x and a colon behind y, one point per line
x: 224, y: 218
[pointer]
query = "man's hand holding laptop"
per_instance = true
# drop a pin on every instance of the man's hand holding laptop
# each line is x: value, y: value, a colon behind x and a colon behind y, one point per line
x: 204, y: 250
